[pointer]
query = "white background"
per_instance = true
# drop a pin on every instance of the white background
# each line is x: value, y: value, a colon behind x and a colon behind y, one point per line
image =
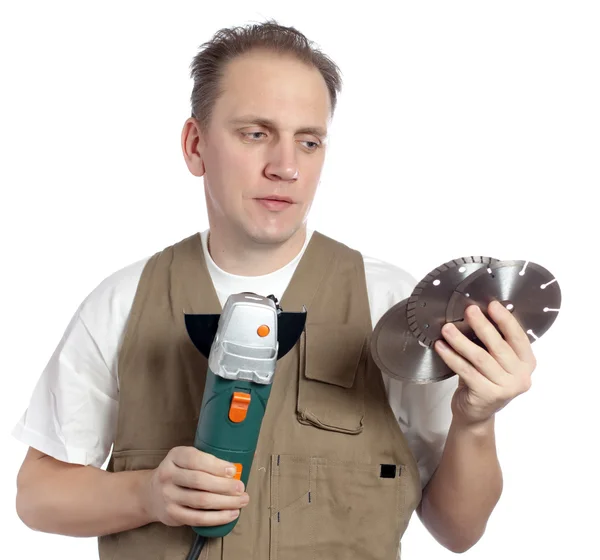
x: 464, y: 128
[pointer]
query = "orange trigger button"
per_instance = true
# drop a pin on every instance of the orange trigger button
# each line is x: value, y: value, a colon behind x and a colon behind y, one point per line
x: 239, y: 406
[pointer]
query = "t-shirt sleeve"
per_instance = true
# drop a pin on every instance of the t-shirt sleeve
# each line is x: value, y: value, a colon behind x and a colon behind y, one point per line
x: 423, y: 411
x: 73, y: 409
x: 424, y: 415
x: 73, y: 406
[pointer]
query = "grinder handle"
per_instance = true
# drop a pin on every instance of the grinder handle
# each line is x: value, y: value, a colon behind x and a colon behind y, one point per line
x: 228, y: 428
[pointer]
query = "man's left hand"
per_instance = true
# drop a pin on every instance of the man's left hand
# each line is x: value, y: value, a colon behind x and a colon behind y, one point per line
x: 490, y: 379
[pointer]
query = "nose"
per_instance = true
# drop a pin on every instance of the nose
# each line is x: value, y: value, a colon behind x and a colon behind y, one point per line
x: 282, y: 163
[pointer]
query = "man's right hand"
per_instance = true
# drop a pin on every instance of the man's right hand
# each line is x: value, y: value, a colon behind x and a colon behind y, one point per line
x: 194, y: 488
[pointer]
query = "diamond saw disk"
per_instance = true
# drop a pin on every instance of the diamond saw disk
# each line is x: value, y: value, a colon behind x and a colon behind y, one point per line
x: 527, y: 289
x: 399, y: 354
x: 426, y: 308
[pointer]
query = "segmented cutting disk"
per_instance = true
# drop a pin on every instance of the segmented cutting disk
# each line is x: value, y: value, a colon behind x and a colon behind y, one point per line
x: 400, y: 355
x: 527, y: 289
x: 426, y: 308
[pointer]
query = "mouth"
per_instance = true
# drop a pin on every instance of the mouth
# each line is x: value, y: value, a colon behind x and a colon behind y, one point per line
x: 275, y: 203
x: 277, y: 198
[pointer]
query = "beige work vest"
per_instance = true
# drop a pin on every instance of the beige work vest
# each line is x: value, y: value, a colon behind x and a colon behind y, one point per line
x: 317, y: 487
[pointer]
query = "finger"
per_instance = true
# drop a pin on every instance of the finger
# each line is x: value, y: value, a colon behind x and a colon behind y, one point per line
x: 514, y: 334
x: 194, y: 459
x: 203, y: 518
x: 487, y: 333
x: 206, y: 500
x: 467, y: 352
x: 199, y: 480
x: 465, y: 371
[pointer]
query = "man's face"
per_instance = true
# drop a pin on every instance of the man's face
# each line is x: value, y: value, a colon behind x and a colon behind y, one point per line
x: 266, y: 140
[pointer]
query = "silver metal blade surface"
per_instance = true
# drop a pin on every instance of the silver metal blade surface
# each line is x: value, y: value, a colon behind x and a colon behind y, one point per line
x: 426, y: 308
x: 531, y: 289
x: 400, y: 355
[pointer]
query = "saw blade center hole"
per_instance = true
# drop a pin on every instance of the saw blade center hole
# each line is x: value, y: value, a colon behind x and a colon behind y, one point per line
x: 436, y: 282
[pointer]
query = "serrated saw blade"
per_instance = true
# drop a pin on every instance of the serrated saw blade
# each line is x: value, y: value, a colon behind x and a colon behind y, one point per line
x: 529, y: 290
x: 426, y: 308
x: 399, y: 354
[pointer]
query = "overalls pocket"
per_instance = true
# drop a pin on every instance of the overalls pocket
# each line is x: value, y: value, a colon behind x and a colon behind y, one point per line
x: 331, y: 383
x: 323, y: 509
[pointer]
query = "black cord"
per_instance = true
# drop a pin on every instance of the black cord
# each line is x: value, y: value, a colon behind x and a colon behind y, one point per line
x: 196, y: 549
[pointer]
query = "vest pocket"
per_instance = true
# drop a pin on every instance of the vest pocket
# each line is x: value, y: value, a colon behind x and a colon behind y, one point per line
x: 323, y: 509
x: 332, y: 377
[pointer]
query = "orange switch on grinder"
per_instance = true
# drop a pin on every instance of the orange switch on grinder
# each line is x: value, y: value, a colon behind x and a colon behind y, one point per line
x: 238, y: 471
x: 239, y: 406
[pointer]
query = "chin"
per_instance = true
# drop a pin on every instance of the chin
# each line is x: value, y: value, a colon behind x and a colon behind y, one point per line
x: 273, y: 235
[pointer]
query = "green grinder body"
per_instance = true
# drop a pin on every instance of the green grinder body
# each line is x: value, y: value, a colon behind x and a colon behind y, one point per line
x: 228, y: 428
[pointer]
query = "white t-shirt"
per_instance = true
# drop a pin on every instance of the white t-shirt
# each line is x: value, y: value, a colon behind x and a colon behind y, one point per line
x: 72, y: 413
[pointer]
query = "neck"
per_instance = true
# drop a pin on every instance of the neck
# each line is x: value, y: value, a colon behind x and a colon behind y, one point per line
x: 245, y: 257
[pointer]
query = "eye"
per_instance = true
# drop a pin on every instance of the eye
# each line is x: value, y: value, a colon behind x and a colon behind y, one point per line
x: 253, y: 135
x: 312, y: 146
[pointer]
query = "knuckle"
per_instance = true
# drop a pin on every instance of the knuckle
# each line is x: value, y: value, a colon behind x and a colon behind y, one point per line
x: 231, y: 486
x: 166, y: 493
x: 203, y: 500
x: 163, y: 474
x: 466, y: 369
x: 208, y: 458
x: 526, y: 383
x: 472, y: 312
x: 207, y: 463
x: 533, y: 362
x: 209, y: 519
x: 184, y: 454
x: 175, y: 452
x: 200, y: 455
x: 480, y: 358
x: 501, y: 395
x: 502, y: 357
x: 187, y: 479
x: 198, y: 480
x: 198, y: 519
x: 228, y: 515
x: 192, y: 456
x: 171, y: 510
x: 214, y: 465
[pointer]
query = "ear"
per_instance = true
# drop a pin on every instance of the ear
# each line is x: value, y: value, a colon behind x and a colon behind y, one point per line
x: 192, y: 143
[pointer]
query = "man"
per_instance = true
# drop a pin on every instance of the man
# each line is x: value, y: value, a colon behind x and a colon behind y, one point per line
x: 125, y: 373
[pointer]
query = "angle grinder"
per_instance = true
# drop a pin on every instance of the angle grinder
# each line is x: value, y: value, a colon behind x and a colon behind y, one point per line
x: 242, y: 345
